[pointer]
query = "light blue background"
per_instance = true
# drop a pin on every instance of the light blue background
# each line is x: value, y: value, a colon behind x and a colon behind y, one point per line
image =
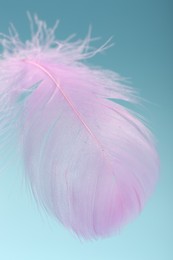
x: 143, y: 53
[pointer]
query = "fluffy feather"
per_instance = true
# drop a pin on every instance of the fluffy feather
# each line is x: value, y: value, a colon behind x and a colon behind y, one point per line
x: 89, y: 160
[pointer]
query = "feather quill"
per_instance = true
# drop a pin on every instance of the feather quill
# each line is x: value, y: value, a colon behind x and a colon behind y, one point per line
x: 90, y: 161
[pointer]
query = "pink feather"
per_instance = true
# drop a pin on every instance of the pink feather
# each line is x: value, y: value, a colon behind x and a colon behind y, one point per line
x: 90, y: 161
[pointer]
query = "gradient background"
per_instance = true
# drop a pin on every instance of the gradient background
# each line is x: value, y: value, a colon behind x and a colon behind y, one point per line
x: 142, y: 53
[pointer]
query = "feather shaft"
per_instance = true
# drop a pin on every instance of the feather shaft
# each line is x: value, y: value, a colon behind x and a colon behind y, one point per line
x: 57, y: 84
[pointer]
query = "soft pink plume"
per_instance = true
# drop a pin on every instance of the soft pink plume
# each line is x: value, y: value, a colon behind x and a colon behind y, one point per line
x: 90, y: 161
